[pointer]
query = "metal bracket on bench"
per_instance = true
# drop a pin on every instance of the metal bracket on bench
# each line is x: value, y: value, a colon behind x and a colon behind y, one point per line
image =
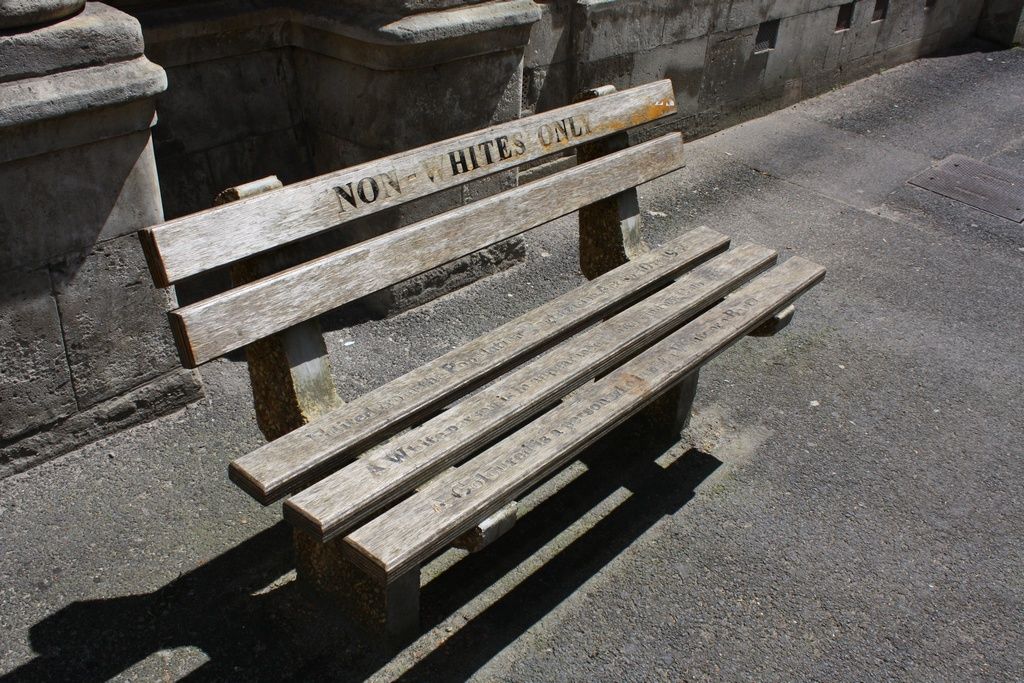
x: 776, y: 323
x: 489, y: 530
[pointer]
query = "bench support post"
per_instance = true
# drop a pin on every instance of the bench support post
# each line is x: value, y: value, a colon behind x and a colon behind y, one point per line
x: 290, y: 371
x: 659, y: 425
x: 610, y: 237
x: 609, y: 229
x: 609, y: 232
x: 390, y: 611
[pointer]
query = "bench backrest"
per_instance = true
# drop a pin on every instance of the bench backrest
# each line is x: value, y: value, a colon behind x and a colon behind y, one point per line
x: 241, y: 230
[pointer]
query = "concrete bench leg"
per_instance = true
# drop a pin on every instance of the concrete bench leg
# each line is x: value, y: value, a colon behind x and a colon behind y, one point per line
x: 391, y: 612
x: 290, y: 371
x: 609, y: 237
x: 659, y: 425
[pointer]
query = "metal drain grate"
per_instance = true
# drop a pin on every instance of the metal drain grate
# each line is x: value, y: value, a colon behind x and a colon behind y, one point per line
x: 979, y: 185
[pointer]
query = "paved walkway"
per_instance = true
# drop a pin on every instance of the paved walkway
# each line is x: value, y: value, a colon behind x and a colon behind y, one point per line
x: 850, y: 509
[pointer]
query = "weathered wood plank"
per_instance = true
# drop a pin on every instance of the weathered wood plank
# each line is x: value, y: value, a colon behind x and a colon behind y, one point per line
x: 418, y: 527
x: 387, y: 472
x: 301, y: 457
x: 199, y: 242
x: 227, y: 321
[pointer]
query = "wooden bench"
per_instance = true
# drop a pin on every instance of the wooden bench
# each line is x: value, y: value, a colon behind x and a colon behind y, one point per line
x: 382, y: 484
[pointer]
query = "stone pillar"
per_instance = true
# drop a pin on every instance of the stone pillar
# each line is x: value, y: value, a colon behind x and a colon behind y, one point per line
x: 1002, y: 22
x: 84, y: 341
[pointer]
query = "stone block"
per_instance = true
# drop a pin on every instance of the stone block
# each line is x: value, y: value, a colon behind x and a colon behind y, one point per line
x: 551, y: 37
x: 179, y: 34
x: 414, y: 41
x: 747, y: 13
x: 435, y: 103
x: 35, y: 383
x: 114, y: 320
x: 548, y: 87
x: 732, y: 71
x: 859, y: 41
x: 606, y: 28
x: 18, y: 13
x: 803, y: 47
x: 97, y: 35
x: 63, y: 94
x: 964, y: 22
x: 964, y: 16
x: 190, y: 180
x: 911, y: 23
x: 65, y: 201
x: 617, y: 71
x: 153, y: 399
x: 905, y: 22
x: 411, y: 6
x: 216, y: 102
x: 186, y: 185
x: 683, y: 63
x: 282, y: 153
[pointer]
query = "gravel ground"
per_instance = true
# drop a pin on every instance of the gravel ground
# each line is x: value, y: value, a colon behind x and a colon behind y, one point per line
x: 847, y: 504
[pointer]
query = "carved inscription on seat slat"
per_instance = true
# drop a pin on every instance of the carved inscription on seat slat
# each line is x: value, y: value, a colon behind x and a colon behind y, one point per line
x: 387, y: 472
x: 284, y: 465
x: 413, y: 530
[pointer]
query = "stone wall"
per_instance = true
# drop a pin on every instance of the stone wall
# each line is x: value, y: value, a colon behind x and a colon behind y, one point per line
x: 295, y: 89
x: 1003, y: 22
x: 83, y: 337
x: 299, y: 88
x: 709, y: 48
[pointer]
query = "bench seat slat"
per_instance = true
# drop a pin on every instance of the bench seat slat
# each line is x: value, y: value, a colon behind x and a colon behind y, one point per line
x: 228, y: 321
x: 412, y: 531
x: 384, y: 474
x: 196, y: 243
x: 300, y: 457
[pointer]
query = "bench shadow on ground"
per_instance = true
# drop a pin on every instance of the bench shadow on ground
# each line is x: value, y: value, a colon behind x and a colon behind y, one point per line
x: 251, y: 626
